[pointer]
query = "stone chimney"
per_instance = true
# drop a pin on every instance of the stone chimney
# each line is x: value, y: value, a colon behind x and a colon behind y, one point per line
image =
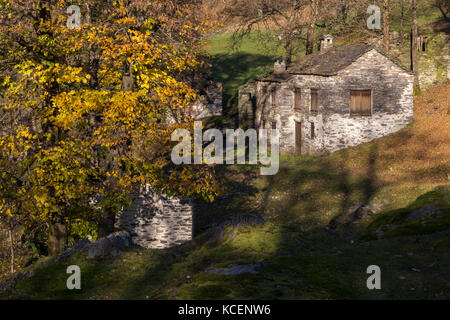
x: 280, y: 66
x: 326, y: 42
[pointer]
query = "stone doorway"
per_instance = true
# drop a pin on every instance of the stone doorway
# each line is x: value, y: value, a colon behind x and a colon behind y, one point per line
x: 298, y: 138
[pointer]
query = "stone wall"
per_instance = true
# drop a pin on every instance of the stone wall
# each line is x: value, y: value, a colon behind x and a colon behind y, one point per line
x: 247, y: 104
x: 157, y: 221
x: 392, y: 102
x: 209, y: 101
x: 334, y: 128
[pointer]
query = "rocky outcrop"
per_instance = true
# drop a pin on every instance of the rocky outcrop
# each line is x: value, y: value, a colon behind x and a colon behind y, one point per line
x: 113, y: 244
x: 424, y: 212
x: 8, y: 286
x: 218, y: 231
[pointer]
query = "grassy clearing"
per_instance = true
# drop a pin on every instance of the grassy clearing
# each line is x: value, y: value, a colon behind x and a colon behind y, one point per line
x: 300, y: 266
x: 235, y: 67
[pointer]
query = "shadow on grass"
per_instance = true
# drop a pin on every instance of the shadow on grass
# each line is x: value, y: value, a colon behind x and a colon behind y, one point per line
x: 293, y: 270
x: 234, y: 70
x: 306, y: 260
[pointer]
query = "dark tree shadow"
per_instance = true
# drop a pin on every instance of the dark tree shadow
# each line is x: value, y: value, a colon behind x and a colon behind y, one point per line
x: 234, y: 70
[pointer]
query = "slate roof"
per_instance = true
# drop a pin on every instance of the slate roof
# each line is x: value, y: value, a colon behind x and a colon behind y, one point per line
x: 333, y: 60
x: 276, y: 77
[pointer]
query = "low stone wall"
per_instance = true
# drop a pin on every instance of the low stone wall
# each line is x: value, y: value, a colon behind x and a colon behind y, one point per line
x: 345, y: 131
x: 157, y: 221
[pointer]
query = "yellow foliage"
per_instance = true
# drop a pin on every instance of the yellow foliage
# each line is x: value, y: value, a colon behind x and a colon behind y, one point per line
x: 76, y: 133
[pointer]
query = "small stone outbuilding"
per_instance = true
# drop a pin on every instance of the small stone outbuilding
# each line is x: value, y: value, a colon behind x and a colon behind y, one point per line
x: 157, y: 221
x: 330, y: 100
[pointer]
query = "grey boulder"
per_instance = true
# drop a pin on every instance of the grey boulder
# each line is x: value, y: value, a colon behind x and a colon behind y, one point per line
x: 112, y: 244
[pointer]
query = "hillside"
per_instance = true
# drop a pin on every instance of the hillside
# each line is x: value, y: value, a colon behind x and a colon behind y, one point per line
x: 254, y: 55
x: 303, y: 224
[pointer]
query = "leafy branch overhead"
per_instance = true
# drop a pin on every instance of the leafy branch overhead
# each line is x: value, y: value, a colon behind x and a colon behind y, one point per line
x: 87, y: 113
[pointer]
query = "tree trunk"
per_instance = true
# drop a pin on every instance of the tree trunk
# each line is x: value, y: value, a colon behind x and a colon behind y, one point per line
x: 386, y: 25
x: 288, y: 48
x: 312, y: 23
x: 310, y: 40
x: 106, y: 224
x: 414, y: 53
x: 11, y: 242
x: 57, y: 238
x: 444, y: 14
x: 344, y: 12
x: 402, y: 17
x: 94, y: 61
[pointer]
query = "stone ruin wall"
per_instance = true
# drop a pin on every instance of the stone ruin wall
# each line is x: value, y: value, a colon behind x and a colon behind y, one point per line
x: 157, y: 221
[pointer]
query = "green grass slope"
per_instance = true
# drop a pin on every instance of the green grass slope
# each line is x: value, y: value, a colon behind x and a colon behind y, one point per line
x: 313, y: 246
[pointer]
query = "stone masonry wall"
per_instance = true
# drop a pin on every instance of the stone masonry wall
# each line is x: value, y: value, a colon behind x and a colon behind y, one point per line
x: 157, y: 221
x: 392, y: 102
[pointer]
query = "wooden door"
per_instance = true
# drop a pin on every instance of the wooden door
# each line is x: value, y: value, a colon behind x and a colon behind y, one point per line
x: 298, y: 138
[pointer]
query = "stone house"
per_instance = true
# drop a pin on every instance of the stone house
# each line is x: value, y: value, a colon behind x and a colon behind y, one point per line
x: 330, y: 100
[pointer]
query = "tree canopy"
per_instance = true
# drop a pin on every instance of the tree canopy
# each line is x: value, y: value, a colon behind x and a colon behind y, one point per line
x: 86, y: 113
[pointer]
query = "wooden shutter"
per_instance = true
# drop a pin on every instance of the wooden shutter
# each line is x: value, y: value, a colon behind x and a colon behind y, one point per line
x: 298, y: 99
x: 366, y: 102
x: 274, y: 98
x: 314, y: 101
x: 361, y: 102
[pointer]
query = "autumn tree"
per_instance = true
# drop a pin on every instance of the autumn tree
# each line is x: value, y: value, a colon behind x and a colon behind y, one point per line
x: 87, y: 113
x: 287, y: 17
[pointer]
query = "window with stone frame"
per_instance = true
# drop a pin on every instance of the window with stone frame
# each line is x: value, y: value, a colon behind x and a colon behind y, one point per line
x: 297, y: 99
x: 314, y: 101
x: 360, y: 102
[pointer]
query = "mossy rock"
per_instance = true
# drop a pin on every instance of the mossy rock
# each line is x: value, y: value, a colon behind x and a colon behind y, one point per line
x: 399, y: 223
